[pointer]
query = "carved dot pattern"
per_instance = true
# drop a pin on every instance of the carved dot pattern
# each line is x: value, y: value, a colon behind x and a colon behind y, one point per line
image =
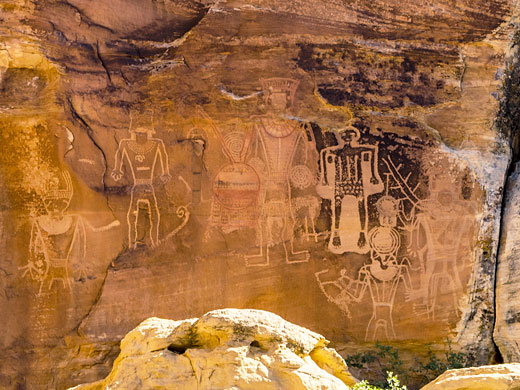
x: 301, y: 176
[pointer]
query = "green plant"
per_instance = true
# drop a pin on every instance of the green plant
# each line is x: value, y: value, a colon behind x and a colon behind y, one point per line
x: 434, y: 366
x: 386, y: 358
x: 392, y: 383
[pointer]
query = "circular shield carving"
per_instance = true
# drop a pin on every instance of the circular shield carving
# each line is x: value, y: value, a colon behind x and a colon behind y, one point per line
x: 236, y: 186
x: 384, y: 240
x: 301, y: 176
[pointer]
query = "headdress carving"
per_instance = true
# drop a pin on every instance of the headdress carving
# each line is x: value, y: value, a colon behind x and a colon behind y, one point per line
x: 279, y: 85
x: 60, y: 189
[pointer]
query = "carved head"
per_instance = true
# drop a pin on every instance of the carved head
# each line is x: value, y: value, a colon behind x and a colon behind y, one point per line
x: 384, y: 242
x: 198, y: 139
x: 279, y: 92
x: 141, y: 133
x: 387, y: 209
x: 57, y: 196
x: 349, y: 135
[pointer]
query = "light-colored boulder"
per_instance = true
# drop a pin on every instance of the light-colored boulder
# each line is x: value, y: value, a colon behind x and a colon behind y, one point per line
x: 225, y: 349
x: 496, y: 377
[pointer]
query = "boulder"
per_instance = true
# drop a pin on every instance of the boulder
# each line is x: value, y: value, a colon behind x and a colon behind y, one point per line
x: 225, y: 349
x: 496, y: 377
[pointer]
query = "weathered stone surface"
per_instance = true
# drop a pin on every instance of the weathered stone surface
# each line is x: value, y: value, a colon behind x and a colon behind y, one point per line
x: 239, y: 349
x: 336, y: 164
x: 497, y: 377
x: 507, y: 328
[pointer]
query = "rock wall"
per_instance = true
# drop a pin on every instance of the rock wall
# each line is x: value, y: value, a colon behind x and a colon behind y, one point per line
x: 334, y: 163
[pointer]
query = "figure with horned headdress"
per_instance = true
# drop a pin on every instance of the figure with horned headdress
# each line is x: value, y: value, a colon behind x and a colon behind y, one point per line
x: 141, y: 153
x: 282, y: 156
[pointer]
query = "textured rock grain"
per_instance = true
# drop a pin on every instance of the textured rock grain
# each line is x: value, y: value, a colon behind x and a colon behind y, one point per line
x: 335, y: 163
x: 498, y: 377
x: 224, y: 349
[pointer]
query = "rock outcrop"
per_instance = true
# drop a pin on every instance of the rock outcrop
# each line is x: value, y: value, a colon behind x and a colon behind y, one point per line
x: 225, y: 349
x: 336, y: 163
x: 497, y: 377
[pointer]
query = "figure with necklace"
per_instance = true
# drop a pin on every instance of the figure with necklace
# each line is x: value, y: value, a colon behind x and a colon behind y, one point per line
x: 280, y: 156
x: 142, y: 153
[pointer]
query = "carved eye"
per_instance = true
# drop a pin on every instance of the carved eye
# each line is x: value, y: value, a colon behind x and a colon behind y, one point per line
x: 329, y: 159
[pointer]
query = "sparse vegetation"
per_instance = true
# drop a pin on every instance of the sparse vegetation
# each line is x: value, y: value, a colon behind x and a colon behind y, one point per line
x: 385, y: 361
x: 392, y: 383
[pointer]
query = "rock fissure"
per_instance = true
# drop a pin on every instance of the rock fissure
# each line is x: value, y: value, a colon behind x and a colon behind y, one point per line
x: 90, y: 135
x: 95, y: 302
x: 507, y: 122
x: 102, y: 62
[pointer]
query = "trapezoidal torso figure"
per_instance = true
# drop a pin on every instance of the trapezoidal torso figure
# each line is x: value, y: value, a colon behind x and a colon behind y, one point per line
x: 349, y: 174
x: 278, y: 141
x: 141, y: 154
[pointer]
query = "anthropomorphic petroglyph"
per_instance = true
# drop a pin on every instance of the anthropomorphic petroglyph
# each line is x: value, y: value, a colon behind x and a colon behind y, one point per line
x: 58, y: 243
x: 236, y: 186
x: 140, y: 154
x: 280, y: 154
x: 199, y: 141
x: 441, y: 239
x: 381, y: 277
x: 349, y: 174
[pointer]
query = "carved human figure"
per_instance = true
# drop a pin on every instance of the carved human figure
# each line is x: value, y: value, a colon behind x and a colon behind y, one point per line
x: 58, y: 238
x: 199, y: 142
x: 142, y: 153
x: 279, y: 148
x: 441, y: 239
x: 236, y: 185
x: 349, y: 174
x: 381, y: 277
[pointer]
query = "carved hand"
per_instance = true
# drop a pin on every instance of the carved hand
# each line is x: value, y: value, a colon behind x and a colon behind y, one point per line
x: 116, y: 175
x: 166, y: 177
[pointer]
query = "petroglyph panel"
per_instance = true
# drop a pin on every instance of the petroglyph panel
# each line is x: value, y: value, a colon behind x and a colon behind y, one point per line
x: 173, y: 158
x: 422, y: 230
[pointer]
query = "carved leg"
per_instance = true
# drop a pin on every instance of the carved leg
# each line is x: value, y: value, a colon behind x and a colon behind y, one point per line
x: 155, y: 219
x: 363, y: 218
x: 259, y: 259
x: 131, y: 219
x: 335, y: 239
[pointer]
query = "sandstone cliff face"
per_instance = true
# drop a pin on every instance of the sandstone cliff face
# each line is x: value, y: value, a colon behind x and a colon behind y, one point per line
x: 239, y: 349
x: 333, y: 162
